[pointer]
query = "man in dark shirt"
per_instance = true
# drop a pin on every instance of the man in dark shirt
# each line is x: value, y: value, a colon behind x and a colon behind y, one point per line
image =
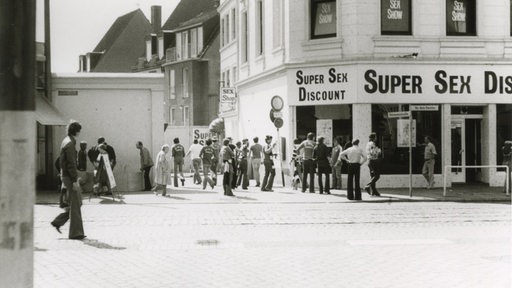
x: 268, y: 162
x: 69, y: 176
x: 321, y: 154
x: 207, y: 156
x: 242, y: 164
x: 178, y: 153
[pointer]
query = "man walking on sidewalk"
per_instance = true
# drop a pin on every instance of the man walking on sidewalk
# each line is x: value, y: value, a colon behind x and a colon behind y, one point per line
x: 178, y: 153
x: 69, y: 177
x: 373, y: 153
x: 194, y: 151
x: 355, y: 157
x: 145, y: 164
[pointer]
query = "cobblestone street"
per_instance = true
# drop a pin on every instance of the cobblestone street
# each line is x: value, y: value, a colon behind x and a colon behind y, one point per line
x: 255, y: 240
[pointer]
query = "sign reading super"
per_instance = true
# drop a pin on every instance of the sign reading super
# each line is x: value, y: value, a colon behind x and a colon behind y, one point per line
x: 400, y: 83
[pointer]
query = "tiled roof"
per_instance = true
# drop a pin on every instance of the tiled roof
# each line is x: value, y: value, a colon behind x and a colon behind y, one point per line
x: 198, y: 19
x: 188, y: 9
x: 123, y: 43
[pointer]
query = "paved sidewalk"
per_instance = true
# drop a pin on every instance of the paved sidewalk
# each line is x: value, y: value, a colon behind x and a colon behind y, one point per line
x: 192, y: 193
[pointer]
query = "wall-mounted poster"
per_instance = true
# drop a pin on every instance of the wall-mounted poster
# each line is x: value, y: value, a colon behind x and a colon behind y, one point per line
x: 324, y: 129
x: 402, y: 127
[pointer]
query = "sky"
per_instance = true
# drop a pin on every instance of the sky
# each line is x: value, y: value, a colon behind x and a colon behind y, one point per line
x: 77, y: 26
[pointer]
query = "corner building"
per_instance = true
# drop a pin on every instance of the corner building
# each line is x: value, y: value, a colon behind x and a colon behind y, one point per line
x: 342, y: 66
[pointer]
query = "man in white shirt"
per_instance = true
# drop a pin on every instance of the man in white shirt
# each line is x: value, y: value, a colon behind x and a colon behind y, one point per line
x: 355, y: 157
x: 195, y: 151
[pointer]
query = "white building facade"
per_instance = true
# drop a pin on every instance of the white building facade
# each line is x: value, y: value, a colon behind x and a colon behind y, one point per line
x: 342, y: 65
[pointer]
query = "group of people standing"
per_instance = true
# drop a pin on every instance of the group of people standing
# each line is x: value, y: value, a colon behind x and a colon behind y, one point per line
x: 310, y: 156
x: 231, y: 160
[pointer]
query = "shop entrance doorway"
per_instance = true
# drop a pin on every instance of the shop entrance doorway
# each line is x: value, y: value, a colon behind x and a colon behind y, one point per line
x: 466, y: 147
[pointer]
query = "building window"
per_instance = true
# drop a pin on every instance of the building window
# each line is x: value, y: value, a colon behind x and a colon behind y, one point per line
x: 172, y: 84
x: 259, y: 26
x: 185, y: 82
x: 172, y: 116
x: 235, y: 75
x: 228, y: 79
x: 277, y: 24
x: 185, y: 116
x: 245, y: 36
x: 503, y: 129
x: 460, y: 17
x: 178, y: 46
x: 226, y: 33
x: 233, y: 24
x: 186, y: 45
x: 395, y: 17
x: 323, y: 19
x: 222, y: 32
x: 393, y: 141
x: 193, y: 43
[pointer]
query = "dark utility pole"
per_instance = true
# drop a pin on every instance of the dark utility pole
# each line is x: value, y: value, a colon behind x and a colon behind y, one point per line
x: 17, y: 141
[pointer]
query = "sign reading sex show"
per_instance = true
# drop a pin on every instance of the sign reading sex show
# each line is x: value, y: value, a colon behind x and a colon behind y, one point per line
x: 400, y: 83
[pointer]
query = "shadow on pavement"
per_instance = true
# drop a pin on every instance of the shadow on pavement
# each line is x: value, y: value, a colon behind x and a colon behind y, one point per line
x: 245, y: 198
x: 100, y: 245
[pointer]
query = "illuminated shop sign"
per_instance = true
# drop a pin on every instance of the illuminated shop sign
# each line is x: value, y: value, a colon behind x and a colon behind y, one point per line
x: 387, y: 83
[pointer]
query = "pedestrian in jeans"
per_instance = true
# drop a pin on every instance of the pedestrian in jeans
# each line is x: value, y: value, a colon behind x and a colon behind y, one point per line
x: 242, y: 164
x: 207, y: 155
x: 178, y: 153
x: 255, y: 153
x: 194, y: 151
x: 268, y: 162
x: 227, y: 168
x: 336, y: 166
x: 69, y: 177
x: 308, y: 147
x: 145, y: 164
x: 374, y: 154
x: 355, y: 157
x: 428, y: 165
x: 321, y: 154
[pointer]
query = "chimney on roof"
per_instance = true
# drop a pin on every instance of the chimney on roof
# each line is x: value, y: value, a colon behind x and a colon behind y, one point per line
x: 156, y: 18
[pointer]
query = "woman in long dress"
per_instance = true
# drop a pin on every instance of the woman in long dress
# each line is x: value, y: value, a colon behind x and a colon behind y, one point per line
x: 162, y: 170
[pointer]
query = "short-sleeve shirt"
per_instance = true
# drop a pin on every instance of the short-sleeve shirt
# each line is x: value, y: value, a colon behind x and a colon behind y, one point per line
x: 309, y: 147
x: 256, y: 151
x: 178, y: 152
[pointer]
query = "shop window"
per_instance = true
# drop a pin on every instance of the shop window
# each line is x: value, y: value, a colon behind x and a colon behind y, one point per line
x: 395, y: 17
x: 461, y: 17
x: 323, y: 19
x: 336, y: 118
x: 392, y: 138
x: 503, y: 129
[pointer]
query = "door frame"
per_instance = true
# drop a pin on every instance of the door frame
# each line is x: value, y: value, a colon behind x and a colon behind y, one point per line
x: 460, y: 175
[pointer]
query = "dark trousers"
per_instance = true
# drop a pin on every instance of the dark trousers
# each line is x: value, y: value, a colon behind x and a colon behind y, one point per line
x: 234, y: 176
x: 73, y: 212
x: 354, y: 172
x: 196, y: 162
x: 270, y: 173
x: 374, y: 166
x: 228, y: 179
x: 309, y: 168
x: 242, y: 175
x: 320, y: 181
x: 147, y: 180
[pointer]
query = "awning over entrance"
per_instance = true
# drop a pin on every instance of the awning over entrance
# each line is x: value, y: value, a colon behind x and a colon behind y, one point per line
x: 47, y: 114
